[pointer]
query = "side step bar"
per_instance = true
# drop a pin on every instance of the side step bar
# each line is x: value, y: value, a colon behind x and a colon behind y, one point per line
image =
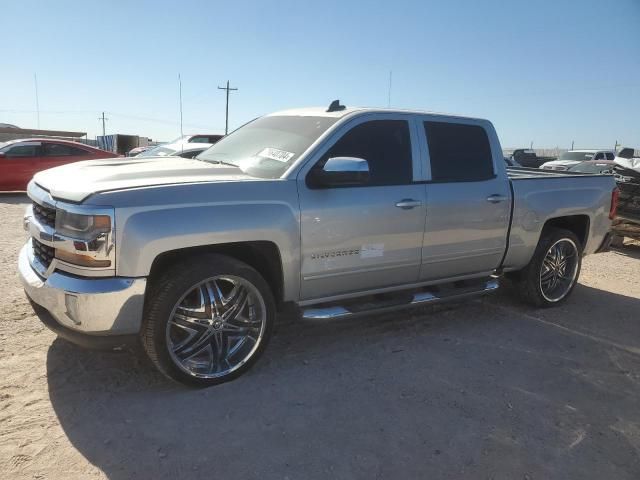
x: 331, y: 312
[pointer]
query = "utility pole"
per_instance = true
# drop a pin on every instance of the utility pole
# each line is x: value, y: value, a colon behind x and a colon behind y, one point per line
x: 180, y: 85
x: 226, y: 118
x: 572, y: 142
x: 103, y: 124
x: 615, y: 147
x: 35, y: 81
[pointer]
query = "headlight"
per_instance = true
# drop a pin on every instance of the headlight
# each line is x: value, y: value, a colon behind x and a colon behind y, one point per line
x: 82, y: 227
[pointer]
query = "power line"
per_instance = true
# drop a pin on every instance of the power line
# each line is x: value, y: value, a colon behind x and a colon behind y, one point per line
x: 226, y: 117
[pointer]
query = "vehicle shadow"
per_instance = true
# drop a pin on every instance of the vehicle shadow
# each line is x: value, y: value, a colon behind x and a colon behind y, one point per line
x: 473, y: 390
x: 628, y: 250
x: 14, y: 198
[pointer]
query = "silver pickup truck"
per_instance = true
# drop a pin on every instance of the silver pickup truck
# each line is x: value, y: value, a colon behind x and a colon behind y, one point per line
x: 340, y: 211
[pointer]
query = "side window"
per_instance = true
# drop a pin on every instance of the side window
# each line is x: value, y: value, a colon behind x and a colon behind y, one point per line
x: 190, y: 154
x: 60, y: 150
x: 22, y: 151
x: 599, y: 156
x: 385, y: 144
x: 458, y: 152
x: 77, y: 152
x: 205, y: 139
x: 609, y: 156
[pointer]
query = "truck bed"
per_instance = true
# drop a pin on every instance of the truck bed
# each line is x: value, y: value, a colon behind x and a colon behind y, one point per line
x: 520, y: 173
x: 564, y: 194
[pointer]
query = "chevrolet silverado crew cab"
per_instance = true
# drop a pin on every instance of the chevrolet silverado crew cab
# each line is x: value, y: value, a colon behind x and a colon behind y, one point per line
x: 340, y: 211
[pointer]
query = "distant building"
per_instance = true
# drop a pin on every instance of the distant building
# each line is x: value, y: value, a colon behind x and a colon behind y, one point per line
x: 12, y: 132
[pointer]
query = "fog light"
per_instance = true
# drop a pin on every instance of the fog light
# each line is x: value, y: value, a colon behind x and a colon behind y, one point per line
x: 81, y: 260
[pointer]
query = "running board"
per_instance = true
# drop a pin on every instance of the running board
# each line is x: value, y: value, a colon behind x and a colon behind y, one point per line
x: 416, y: 299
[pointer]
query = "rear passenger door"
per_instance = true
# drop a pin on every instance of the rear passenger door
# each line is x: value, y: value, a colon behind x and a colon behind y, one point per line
x: 468, y: 198
x: 356, y: 238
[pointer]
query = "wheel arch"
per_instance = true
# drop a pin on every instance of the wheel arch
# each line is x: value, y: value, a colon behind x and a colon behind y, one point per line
x: 262, y: 255
x: 578, y: 224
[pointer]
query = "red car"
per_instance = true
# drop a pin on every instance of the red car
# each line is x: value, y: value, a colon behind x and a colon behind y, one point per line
x: 21, y: 159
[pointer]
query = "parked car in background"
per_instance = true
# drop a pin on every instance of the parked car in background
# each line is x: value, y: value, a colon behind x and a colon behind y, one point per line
x: 594, y: 166
x: 511, y: 162
x: 21, y: 159
x: 528, y: 158
x: 178, y: 149
x: 573, y: 157
x: 323, y: 208
x: 192, y: 152
x: 627, y: 176
x: 138, y: 150
x: 199, y: 138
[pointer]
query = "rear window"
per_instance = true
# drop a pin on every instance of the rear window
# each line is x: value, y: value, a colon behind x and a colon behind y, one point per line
x: 158, y: 152
x: 458, y: 152
x: 576, y: 156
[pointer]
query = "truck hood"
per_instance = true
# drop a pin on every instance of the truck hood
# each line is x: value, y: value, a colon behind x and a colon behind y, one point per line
x: 76, y: 181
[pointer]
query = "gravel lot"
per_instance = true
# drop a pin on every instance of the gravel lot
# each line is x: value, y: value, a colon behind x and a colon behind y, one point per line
x: 484, y: 389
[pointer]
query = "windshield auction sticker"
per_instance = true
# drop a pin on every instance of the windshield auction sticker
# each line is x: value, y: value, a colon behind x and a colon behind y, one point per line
x: 276, y: 154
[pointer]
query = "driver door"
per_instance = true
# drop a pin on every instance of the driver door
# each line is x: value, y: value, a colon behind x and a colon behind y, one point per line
x: 369, y: 236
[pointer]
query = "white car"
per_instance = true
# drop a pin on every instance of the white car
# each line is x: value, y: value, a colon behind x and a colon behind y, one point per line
x: 573, y: 157
x: 178, y: 149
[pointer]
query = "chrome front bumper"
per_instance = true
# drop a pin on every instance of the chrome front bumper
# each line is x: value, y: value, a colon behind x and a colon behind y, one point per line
x: 93, y: 306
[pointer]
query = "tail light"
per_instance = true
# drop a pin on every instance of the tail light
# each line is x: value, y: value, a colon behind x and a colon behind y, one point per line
x: 615, y: 196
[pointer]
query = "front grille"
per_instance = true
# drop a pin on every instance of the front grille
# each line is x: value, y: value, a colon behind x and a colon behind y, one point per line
x: 45, y: 215
x: 43, y: 252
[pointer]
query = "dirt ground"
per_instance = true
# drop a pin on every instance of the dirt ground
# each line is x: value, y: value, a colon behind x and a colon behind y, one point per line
x: 484, y: 389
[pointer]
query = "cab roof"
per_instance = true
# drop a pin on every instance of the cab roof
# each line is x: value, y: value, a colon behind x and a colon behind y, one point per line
x: 322, y: 112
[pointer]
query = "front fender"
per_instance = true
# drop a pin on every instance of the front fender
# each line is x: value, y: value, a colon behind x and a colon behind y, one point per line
x: 145, y: 232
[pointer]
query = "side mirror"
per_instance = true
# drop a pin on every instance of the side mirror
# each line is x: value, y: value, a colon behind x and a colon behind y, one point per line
x: 341, y: 172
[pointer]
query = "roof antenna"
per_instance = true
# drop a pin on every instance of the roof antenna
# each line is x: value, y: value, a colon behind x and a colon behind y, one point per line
x: 335, y: 106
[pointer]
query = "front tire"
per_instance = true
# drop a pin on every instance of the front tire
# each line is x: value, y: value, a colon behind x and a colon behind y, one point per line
x: 207, y: 320
x: 553, y: 271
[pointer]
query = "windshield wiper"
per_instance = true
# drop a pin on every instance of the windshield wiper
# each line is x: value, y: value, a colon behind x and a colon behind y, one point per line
x: 225, y: 163
x: 220, y: 162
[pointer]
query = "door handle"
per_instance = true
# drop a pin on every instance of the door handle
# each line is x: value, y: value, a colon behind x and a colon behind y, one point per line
x: 408, y: 203
x: 495, y: 198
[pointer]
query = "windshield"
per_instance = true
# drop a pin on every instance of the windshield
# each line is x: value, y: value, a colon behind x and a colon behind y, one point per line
x: 159, y: 151
x: 588, y: 167
x: 577, y: 156
x: 267, y: 146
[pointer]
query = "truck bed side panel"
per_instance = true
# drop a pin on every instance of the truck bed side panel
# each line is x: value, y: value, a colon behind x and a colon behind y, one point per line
x: 538, y: 199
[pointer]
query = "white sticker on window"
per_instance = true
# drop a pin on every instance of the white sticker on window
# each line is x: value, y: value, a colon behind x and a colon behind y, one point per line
x: 276, y: 154
x: 372, y: 250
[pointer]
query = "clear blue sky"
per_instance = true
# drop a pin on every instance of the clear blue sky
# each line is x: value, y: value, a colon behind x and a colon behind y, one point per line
x: 547, y: 71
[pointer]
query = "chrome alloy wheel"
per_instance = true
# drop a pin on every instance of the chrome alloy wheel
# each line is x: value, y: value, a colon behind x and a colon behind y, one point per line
x: 216, y: 326
x: 559, y: 270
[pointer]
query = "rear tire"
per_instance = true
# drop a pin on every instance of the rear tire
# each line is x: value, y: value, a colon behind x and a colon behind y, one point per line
x: 207, y: 320
x: 553, y: 271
